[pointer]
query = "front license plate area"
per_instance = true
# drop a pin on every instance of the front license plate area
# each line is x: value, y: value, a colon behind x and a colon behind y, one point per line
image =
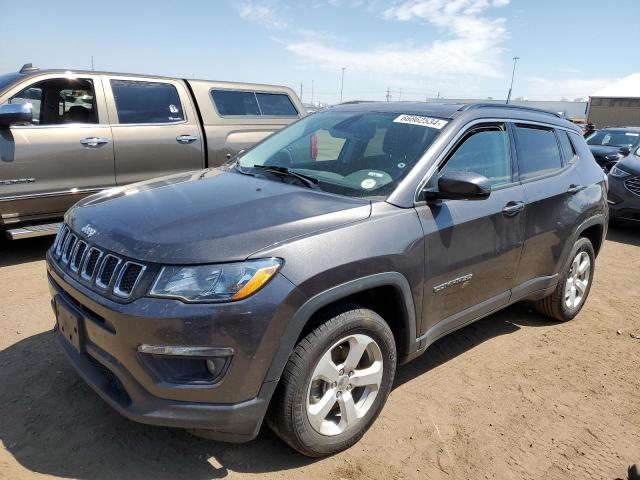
x: 69, y: 325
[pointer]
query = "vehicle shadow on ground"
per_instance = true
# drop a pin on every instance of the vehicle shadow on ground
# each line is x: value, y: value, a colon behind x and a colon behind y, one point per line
x: 627, y: 234
x: 23, y: 251
x: 54, y: 424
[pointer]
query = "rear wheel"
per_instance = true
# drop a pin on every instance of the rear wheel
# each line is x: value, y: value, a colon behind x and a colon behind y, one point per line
x: 574, y: 285
x: 335, y: 383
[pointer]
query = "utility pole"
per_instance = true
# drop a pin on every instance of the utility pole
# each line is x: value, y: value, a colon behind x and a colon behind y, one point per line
x: 92, y: 63
x: 300, y: 91
x: 388, y: 94
x: 400, y: 98
x: 311, y: 92
x: 342, y: 83
x: 513, y: 74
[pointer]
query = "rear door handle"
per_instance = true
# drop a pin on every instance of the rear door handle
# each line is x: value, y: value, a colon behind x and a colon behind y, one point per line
x: 94, y: 142
x: 513, y: 208
x: 573, y: 189
x: 186, y: 138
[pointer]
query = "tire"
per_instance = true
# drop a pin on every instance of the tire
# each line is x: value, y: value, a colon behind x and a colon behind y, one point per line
x: 345, y: 331
x: 556, y: 305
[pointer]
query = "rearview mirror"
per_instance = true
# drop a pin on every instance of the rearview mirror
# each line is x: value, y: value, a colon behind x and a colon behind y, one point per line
x: 14, y: 113
x: 460, y: 186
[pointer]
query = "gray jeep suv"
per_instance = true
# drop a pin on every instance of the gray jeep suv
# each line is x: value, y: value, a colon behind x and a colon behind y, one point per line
x: 288, y: 284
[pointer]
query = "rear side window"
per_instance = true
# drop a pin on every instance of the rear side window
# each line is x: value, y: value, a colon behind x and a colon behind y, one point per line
x: 568, y: 152
x: 484, y: 151
x: 230, y: 102
x: 538, y: 152
x: 277, y: 104
x: 146, y: 102
x: 246, y: 103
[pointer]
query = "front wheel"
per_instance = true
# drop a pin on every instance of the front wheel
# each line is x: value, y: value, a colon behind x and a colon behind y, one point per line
x: 335, y: 383
x: 574, y: 285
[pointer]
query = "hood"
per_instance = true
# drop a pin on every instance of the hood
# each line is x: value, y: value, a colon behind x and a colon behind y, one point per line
x: 208, y: 217
x: 603, y: 150
x: 630, y: 164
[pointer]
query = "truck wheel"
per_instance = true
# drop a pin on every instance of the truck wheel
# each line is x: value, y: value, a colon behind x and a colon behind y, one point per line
x: 335, y: 383
x: 574, y: 285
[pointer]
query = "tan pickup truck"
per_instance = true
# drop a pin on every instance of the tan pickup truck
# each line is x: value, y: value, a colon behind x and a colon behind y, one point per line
x: 67, y: 134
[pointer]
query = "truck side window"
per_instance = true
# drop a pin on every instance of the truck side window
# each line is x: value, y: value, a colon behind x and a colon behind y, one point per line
x: 146, y: 102
x: 485, y: 151
x: 538, y: 152
x: 276, y: 104
x: 246, y: 103
x: 233, y: 102
x: 59, y: 101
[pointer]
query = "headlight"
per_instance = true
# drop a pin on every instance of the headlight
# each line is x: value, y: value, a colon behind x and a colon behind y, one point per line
x: 618, y: 172
x: 214, y: 283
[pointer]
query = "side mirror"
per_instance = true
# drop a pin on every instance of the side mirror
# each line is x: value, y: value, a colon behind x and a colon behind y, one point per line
x: 460, y: 186
x: 14, y: 113
x: 624, y: 151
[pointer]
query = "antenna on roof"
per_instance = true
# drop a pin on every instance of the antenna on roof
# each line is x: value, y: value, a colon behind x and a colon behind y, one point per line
x: 28, y: 67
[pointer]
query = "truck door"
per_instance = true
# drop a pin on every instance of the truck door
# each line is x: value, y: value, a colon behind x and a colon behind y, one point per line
x: 65, y: 153
x: 155, y: 128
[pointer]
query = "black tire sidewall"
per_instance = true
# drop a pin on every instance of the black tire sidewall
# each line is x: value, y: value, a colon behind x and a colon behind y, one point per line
x: 352, y: 322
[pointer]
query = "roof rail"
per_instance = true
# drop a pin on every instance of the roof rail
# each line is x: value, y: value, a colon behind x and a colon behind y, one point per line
x: 475, y: 106
x: 28, y: 67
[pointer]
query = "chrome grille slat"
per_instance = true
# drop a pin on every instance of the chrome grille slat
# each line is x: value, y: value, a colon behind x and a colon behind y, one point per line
x: 78, y: 255
x: 90, y: 263
x: 633, y: 185
x: 128, y: 279
x: 105, y: 272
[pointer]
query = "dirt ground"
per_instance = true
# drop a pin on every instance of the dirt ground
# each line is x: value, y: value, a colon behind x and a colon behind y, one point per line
x: 514, y: 396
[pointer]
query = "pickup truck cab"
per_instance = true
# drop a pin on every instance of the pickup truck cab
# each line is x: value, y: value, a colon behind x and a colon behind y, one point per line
x: 67, y: 134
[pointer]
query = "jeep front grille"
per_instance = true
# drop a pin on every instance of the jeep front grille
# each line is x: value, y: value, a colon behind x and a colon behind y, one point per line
x: 633, y: 185
x: 108, y: 272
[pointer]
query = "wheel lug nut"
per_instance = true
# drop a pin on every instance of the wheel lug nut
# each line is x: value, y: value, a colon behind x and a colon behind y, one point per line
x: 339, y: 394
x: 341, y: 372
x: 351, y: 373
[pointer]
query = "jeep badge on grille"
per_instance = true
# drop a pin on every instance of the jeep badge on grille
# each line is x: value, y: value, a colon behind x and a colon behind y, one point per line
x: 88, y: 230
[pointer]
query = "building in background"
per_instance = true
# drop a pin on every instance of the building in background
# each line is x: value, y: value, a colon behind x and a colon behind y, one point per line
x: 616, y: 105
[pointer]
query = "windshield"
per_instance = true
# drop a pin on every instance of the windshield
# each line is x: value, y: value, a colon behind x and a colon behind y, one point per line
x: 613, y: 138
x: 349, y: 153
x: 7, y: 79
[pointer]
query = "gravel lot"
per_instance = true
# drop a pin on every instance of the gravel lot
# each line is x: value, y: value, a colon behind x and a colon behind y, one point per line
x: 514, y: 396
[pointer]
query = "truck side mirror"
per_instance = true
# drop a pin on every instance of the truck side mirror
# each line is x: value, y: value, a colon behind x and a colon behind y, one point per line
x: 14, y: 114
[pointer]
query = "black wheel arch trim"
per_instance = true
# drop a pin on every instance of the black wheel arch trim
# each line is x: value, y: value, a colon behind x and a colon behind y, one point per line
x: 344, y: 290
x: 598, y: 219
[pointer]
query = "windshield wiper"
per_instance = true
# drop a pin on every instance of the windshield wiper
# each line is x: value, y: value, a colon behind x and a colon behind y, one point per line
x: 306, y: 180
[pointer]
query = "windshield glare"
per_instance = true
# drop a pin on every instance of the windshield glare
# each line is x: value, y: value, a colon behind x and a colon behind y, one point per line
x: 349, y: 153
x: 614, y: 139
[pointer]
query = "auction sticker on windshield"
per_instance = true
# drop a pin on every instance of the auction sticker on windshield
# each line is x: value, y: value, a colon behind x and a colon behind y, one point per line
x: 431, y: 122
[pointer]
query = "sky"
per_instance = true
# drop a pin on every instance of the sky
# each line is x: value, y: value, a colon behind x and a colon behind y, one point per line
x: 415, y: 48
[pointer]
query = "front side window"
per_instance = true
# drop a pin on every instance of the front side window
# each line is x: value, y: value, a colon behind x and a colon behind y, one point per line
x: 59, y: 101
x: 349, y: 153
x: 146, y: 102
x: 538, y: 152
x: 485, y: 151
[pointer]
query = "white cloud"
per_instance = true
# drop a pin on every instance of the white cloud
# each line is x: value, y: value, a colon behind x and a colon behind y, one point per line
x: 470, y: 43
x: 544, y: 88
x: 263, y: 13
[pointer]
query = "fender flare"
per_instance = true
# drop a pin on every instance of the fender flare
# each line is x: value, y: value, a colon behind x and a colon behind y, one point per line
x: 315, y: 303
x: 598, y: 219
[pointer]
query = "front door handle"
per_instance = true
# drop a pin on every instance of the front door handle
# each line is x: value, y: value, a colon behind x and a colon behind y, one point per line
x: 573, y: 189
x: 94, y: 142
x: 186, y: 138
x: 513, y: 208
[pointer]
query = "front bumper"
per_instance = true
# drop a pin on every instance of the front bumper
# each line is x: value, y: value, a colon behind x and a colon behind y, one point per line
x: 623, y: 204
x: 231, y: 409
